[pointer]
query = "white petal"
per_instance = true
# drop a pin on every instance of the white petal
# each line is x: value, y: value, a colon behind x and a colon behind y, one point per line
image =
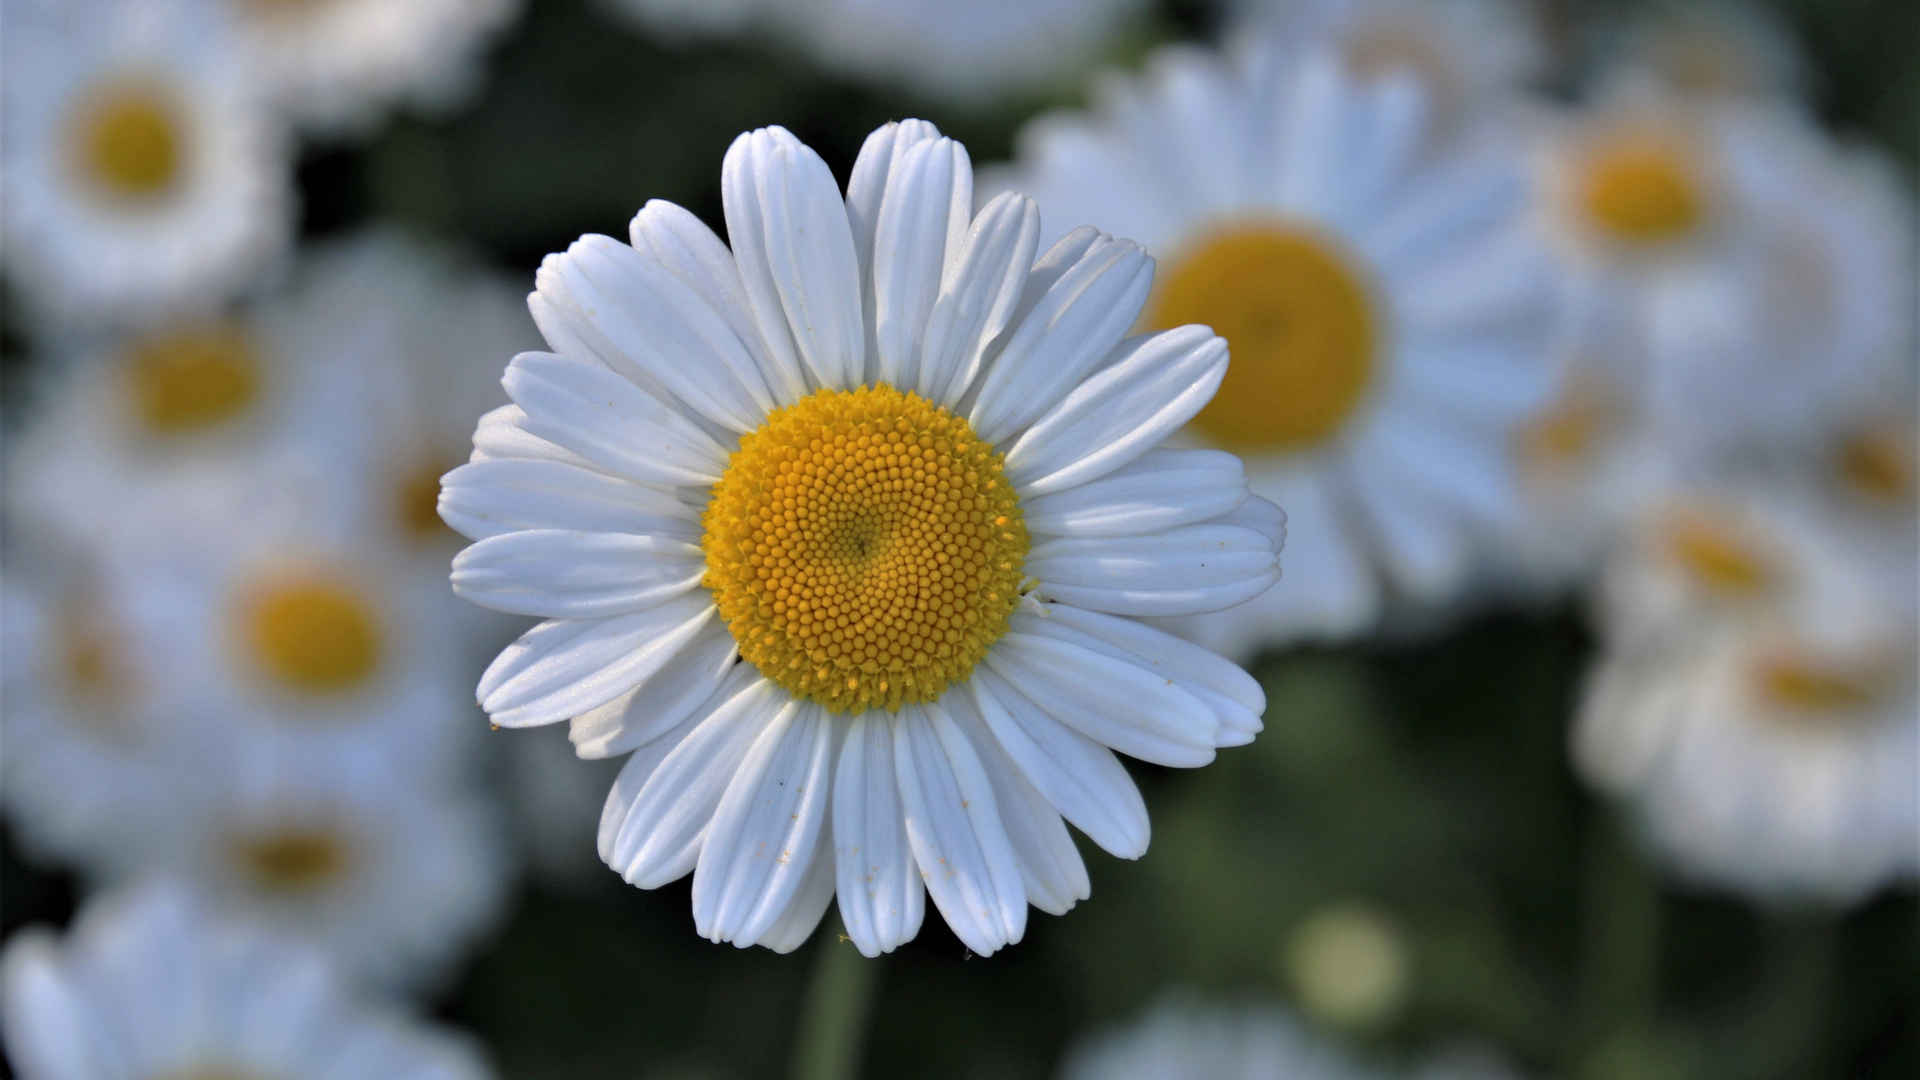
x: 50, y: 1027
x: 955, y: 831
x: 1233, y: 695
x: 1067, y: 334
x: 502, y: 495
x: 923, y: 216
x: 657, y: 835
x: 662, y: 332
x: 866, y: 187
x: 794, y: 247
x: 978, y: 299
x: 802, y: 916
x: 1114, y: 702
x: 1160, y: 490
x: 1051, y: 867
x: 683, y: 246
x: 567, y: 574
x: 612, y: 423
x: 659, y: 704
x: 563, y: 667
x: 1182, y: 571
x: 1312, y: 123
x: 1421, y: 544
x: 502, y: 434
x: 764, y: 833
x: 881, y: 898
x: 1158, y: 383
x: 1081, y: 778
x: 632, y: 780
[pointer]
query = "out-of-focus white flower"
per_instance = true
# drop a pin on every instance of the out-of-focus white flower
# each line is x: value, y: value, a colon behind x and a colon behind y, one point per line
x: 1704, y: 49
x: 1180, y: 1037
x: 143, y: 172
x: 969, y: 53
x: 151, y: 984
x: 1390, y: 314
x: 336, y: 65
x: 1756, y: 706
x: 1467, y: 55
x: 909, y: 476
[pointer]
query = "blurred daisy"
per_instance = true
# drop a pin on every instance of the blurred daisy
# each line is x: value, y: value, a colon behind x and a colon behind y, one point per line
x: 1186, y: 1038
x: 1769, y: 742
x: 1705, y: 49
x: 1390, y: 313
x: 334, y: 65
x: 910, y: 476
x: 1466, y: 55
x: 968, y: 53
x: 392, y: 879
x: 142, y: 171
x: 150, y: 984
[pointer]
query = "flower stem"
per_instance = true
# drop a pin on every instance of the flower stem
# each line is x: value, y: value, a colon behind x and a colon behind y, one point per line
x: 833, y: 1023
x: 1621, y: 916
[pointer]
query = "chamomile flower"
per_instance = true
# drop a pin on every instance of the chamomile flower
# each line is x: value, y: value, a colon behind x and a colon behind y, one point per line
x: 1467, y: 55
x: 334, y: 65
x: 840, y: 534
x: 1180, y: 1036
x: 1390, y: 311
x: 1765, y: 728
x: 151, y: 983
x: 142, y: 170
x: 968, y: 53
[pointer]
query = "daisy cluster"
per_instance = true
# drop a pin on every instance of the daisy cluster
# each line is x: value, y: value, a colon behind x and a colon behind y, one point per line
x: 850, y: 530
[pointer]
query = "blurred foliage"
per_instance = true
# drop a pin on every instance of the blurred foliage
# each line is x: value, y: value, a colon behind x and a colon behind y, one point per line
x: 1425, y: 780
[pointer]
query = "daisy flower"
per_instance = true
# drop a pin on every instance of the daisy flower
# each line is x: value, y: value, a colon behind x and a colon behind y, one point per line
x: 1390, y: 312
x: 335, y: 65
x: 1765, y: 729
x: 1180, y: 1036
x: 841, y: 532
x: 149, y: 983
x: 1466, y: 55
x: 965, y: 53
x: 142, y: 170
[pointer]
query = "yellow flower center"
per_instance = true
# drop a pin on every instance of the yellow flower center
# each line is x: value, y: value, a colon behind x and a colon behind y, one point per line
x: 416, y: 500
x: 1570, y: 429
x: 1641, y: 191
x: 192, y: 378
x: 314, y: 635
x: 1879, y: 465
x: 864, y: 548
x: 1717, y: 556
x: 294, y: 858
x: 128, y: 141
x: 1299, y: 323
x: 1810, y: 684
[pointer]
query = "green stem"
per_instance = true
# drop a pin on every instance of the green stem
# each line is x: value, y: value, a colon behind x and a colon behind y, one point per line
x: 833, y: 1023
x: 1621, y: 919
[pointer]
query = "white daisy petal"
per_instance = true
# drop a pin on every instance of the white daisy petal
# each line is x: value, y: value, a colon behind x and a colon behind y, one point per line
x: 632, y: 779
x: 1055, y: 875
x: 659, y: 704
x: 1112, y: 701
x: 923, y: 216
x: 761, y: 841
x: 502, y: 434
x: 46, y: 1030
x: 662, y: 332
x: 568, y: 574
x: 1161, y: 490
x: 1181, y: 571
x: 495, y: 496
x: 656, y: 837
x: 1312, y: 122
x: 564, y: 667
x: 1157, y: 383
x: 610, y: 422
x: 1068, y: 332
x: 881, y: 897
x: 979, y: 296
x: 955, y: 831
x: 866, y: 187
x: 1081, y: 778
x: 1425, y: 556
x: 794, y: 246
x: 802, y: 916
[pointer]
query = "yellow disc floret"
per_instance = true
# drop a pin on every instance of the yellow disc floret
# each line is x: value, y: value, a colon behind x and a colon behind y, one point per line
x: 1297, y: 316
x: 311, y: 634
x: 193, y: 377
x: 128, y: 142
x: 1717, y: 555
x: 296, y: 858
x: 864, y: 548
x: 1641, y: 192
